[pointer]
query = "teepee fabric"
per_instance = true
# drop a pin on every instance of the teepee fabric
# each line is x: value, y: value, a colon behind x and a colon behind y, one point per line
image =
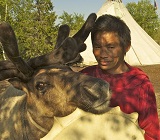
x: 144, y: 50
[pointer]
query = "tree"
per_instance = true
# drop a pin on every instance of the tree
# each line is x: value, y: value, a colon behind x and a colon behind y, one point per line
x: 75, y: 21
x: 3, y: 7
x: 145, y: 15
x: 157, y: 35
x: 34, y: 24
x: 3, y: 17
x: 36, y: 27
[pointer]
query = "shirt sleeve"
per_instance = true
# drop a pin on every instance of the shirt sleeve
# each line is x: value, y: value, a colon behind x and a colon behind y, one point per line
x: 148, y: 116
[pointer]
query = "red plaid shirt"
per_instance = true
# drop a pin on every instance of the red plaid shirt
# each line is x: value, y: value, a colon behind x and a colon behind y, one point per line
x: 132, y: 92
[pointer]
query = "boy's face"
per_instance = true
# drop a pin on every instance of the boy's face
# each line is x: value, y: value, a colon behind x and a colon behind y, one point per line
x: 108, y: 52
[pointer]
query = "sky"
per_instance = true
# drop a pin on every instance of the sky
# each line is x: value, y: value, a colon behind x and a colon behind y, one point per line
x: 85, y: 7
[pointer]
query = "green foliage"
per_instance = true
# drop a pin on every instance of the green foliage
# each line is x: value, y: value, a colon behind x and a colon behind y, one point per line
x: 75, y: 21
x: 2, y: 10
x: 157, y: 35
x: 34, y: 24
x: 145, y: 15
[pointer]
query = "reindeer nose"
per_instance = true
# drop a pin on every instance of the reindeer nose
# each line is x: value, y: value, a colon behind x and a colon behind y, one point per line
x: 98, y: 89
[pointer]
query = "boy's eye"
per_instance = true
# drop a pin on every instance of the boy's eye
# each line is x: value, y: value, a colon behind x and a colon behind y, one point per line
x: 96, y: 46
x: 110, y: 46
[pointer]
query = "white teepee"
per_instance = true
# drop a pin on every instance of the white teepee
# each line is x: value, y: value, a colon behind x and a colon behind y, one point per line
x: 144, y: 50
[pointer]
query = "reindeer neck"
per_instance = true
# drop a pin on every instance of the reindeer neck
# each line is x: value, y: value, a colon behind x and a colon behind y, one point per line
x: 38, y: 123
x: 38, y: 126
x: 24, y: 120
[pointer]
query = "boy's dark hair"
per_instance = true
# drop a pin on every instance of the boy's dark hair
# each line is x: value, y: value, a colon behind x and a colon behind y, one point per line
x: 109, y: 23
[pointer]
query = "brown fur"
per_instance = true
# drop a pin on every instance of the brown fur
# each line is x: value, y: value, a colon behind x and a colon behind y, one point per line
x: 50, y: 92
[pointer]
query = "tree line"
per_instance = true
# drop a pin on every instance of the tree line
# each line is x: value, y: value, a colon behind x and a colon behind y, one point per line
x: 147, y: 16
x: 34, y: 23
x: 35, y: 26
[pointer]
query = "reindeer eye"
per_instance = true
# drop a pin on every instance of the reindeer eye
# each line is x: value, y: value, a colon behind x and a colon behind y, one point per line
x: 42, y: 87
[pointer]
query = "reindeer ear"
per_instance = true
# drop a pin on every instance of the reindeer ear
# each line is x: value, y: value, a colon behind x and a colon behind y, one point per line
x: 16, y: 82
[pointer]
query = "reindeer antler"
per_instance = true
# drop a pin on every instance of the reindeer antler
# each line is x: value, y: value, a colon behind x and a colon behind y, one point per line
x: 66, y: 50
x: 83, y: 33
x: 9, y: 43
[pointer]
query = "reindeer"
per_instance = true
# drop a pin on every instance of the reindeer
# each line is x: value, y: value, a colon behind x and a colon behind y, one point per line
x: 44, y: 87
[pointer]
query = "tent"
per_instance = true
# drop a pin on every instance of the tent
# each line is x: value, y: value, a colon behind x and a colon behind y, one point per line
x: 144, y: 50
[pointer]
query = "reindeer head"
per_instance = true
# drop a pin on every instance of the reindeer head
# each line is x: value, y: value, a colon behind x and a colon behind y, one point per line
x: 53, y: 89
